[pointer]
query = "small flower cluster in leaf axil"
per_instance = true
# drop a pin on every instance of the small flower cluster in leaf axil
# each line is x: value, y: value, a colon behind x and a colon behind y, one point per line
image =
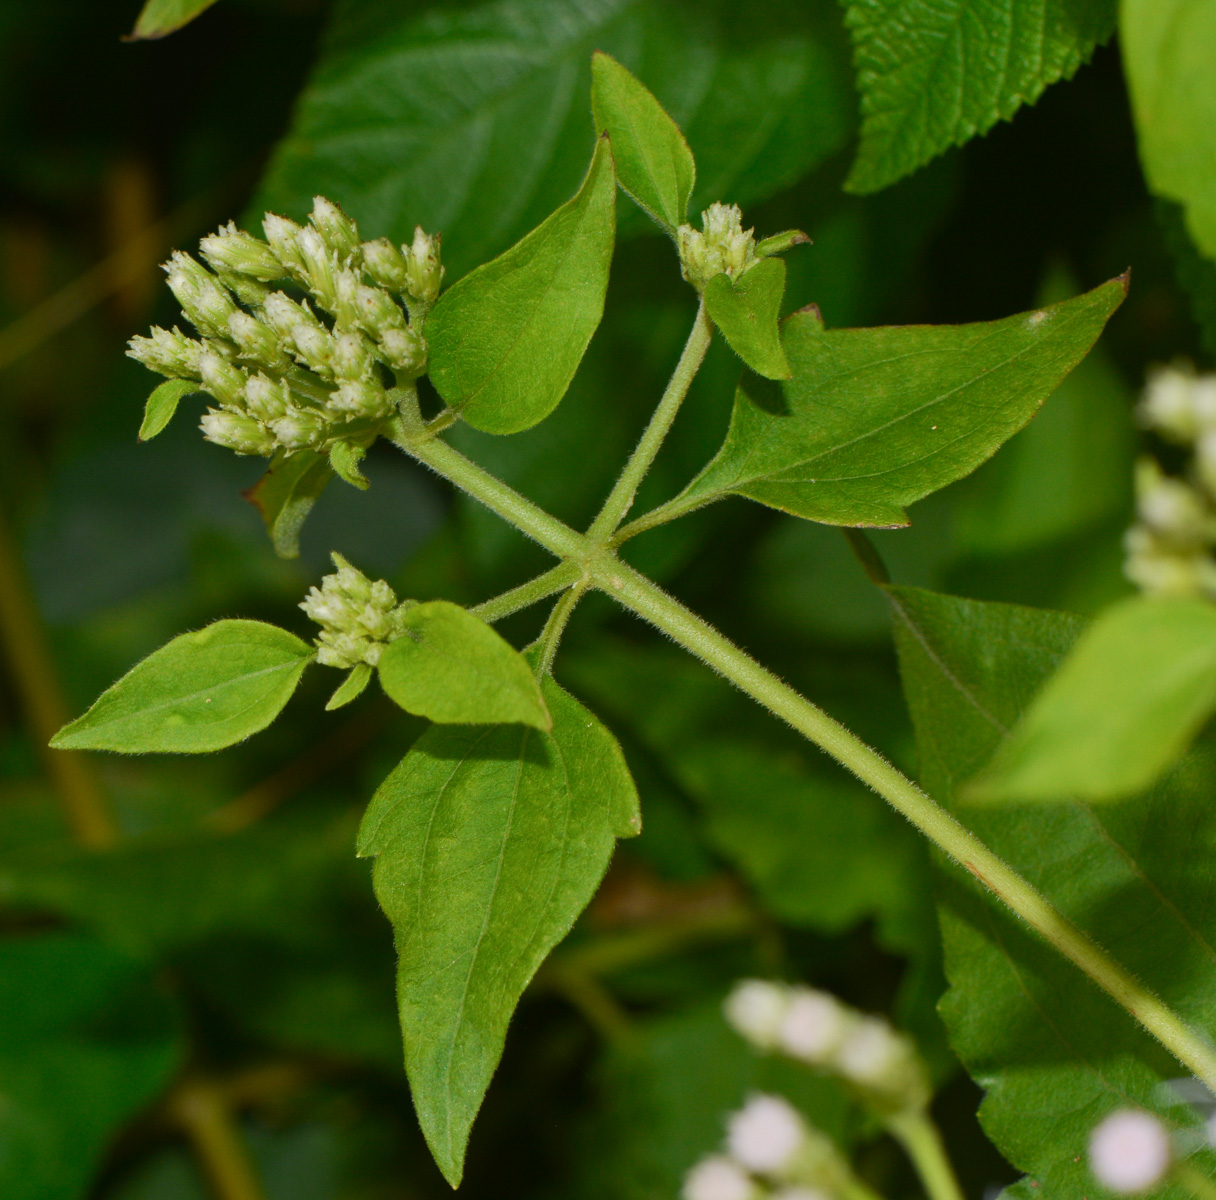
x: 358, y: 618
x: 305, y: 373
x: 721, y: 246
x: 1170, y: 548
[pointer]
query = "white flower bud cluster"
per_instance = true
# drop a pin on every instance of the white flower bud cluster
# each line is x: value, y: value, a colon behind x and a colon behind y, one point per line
x: 1170, y: 548
x: 817, y: 1029
x: 772, y: 1154
x: 720, y: 246
x: 1130, y: 1151
x: 358, y: 618
x: 297, y: 373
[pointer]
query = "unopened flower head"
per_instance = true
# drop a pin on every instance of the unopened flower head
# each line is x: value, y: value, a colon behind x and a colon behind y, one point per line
x: 1159, y: 567
x: 722, y: 245
x: 718, y: 1178
x: 766, y: 1135
x: 205, y: 301
x: 340, y: 233
x: 358, y: 618
x: 424, y: 269
x: 800, y: 1193
x: 884, y: 1063
x: 1179, y: 404
x: 168, y: 352
x: 814, y: 1026
x: 1129, y: 1151
x: 756, y: 1008
x: 239, y: 253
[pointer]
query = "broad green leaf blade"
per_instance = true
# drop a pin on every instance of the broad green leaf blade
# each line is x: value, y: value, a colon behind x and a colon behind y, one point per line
x: 203, y: 691
x: 934, y: 74
x: 160, y: 17
x: 162, y: 404
x: 747, y: 312
x: 351, y: 688
x: 473, y: 119
x: 1168, y: 50
x: 88, y: 1041
x: 451, y: 667
x: 1123, y: 706
x: 489, y: 842
x: 285, y: 496
x: 874, y: 419
x: 1053, y: 1053
x: 653, y: 162
x: 506, y: 340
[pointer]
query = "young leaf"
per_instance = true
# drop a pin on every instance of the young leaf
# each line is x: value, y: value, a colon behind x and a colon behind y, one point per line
x: 451, y: 667
x: 344, y: 458
x: 203, y: 691
x: 1053, y: 1053
x: 160, y: 17
x: 285, y: 496
x: 874, y: 419
x: 653, y: 162
x: 506, y: 340
x: 747, y: 311
x: 1168, y: 51
x: 162, y: 404
x: 1122, y: 707
x: 489, y: 842
x: 779, y: 243
x: 351, y: 688
x: 931, y: 76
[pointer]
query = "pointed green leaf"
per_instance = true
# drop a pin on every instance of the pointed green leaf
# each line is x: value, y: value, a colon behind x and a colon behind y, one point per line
x: 160, y: 17
x: 653, y: 162
x: 344, y: 458
x: 874, y: 419
x: 779, y: 243
x: 1169, y: 47
x: 934, y: 73
x: 1123, y: 705
x: 747, y: 312
x: 1054, y: 1054
x: 203, y: 691
x: 452, y: 667
x: 285, y: 496
x: 506, y: 340
x: 489, y: 841
x: 351, y: 688
x: 162, y: 404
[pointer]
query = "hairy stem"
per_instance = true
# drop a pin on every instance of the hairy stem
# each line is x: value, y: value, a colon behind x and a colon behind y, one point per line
x: 671, y: 511
x: 205, y: 1118
x: 621, y: 498
x: 555, y: 626
x: 922, y: 1142
x: 642, y: 597
x: 553, y: 580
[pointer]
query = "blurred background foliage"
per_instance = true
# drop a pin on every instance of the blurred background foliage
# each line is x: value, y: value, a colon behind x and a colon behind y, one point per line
x: 223, y: 965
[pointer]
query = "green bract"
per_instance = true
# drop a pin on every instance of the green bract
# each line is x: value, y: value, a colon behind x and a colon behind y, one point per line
x: 203, y: 691
x: 746, y: 311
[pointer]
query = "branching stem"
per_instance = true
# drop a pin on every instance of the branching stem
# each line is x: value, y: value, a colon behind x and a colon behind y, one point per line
x: 555, y: 626
x: 922, y: 1142
x: 535, y: 590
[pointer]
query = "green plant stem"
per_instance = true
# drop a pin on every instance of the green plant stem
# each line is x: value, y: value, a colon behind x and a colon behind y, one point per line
x: 204, y: 1116
x: 922, y: 1142
x: 553, y: 580
x: 671, y: 511
x: 555, y: 626
x: 621, y: 498
x: 642, y: 597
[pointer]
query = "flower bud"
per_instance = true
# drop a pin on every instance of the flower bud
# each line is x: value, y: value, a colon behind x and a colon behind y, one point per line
x: 814, y: 1026
x: 1205, y: 460
x: 378, y: 312
x: 340, y: 233
x: 1171, y: 508
x: 299, y: 429
x: 717, y: 1178
x: 223, y: 380
x: 266, y: 399
x: 345, y: 307
x: 237, y: 432
x: 256, y: 342
x: 357, y: 617
x: 766, y: 1135
x: 1130, y: 1151
x: 1203, y: 398
x: 1168, y: 404
x: 314, y: 346
x: 247, y: 291
x: 343, y: 650
x: 320, y: 266
x: 756, y: 1009
x: 404, y: 351
x: 352, y: 357
x: 361, y: 398
x: 424, y: 271
x: 204, y: 300
x: 879, y: 1060
x: 170, y: 353
x: 283, y: 314
x: 233, y: 250
x: 283, y: 235
x: 385, y: 264
x: 722, y: 245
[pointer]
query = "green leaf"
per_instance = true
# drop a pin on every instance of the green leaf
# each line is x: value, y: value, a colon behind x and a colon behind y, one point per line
x: 779, y: 243
x: 88, y: 1040
x: 285, y: 496
x: 1168, y: 50
x: 1122, y: 707
x: 653, y: 162
x: 473, y: 119
x: 1195, y: 273
x: 934, y: 73
x: 451, y: 667
x: 203, y: 691
x: 506, y: 340
x: 490, y: 842
x: 1053, y: 1053
x: 874, y: 419
x: 344, y: 458
x: 351, y: 688
x: 162, y: 404
x: 159, y: 17
x: 746, y: 310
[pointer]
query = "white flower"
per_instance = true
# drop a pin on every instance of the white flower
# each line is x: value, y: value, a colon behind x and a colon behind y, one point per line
x: 717, y: 1178
x: 1129, y: 1151
x: 755, y: 1009
x: 1168, y: 405
x: 813, y: 1026
x: 766, y: 1134
x: 872, y: 1054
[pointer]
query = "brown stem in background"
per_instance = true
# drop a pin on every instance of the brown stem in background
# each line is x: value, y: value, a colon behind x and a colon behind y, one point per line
x: 200, y: 1109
